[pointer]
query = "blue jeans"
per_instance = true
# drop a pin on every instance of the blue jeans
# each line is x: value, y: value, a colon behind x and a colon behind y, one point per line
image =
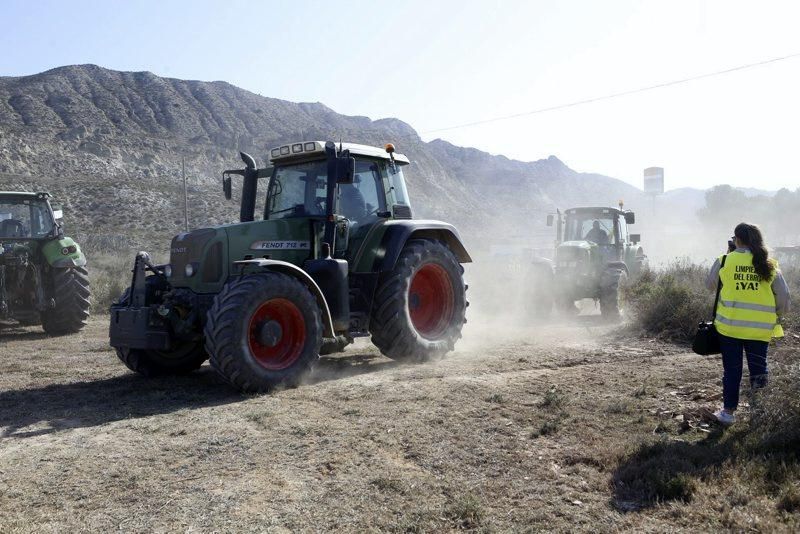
x: 732, y: 349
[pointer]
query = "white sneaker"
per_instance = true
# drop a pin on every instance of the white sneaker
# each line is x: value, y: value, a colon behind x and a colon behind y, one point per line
x: 725, y: 417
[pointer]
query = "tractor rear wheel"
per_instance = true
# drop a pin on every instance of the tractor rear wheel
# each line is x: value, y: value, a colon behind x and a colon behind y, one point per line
x: 419, y: 307
x: 263, y: 330
x: 609, y: 298
x: 70, y: 292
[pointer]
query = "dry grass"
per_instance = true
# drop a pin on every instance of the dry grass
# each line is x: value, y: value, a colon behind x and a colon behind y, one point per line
x: 568, y: 428
x: 110, y: 275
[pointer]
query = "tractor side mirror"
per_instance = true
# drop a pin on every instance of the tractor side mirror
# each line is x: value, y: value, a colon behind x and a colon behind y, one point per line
x: 635, y: 238
x: 345, y: 169
x: 226, y: 186
x: 630, y: 218
x: 266, y: 172
x: 550, y: 220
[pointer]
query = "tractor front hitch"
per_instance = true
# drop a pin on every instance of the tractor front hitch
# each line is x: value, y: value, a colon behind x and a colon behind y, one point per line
x: 134, y: 324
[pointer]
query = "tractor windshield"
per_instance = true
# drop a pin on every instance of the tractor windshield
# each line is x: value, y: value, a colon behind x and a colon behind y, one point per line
x: 298, y: 190
x: 25, y: 218
x: 595, y: 227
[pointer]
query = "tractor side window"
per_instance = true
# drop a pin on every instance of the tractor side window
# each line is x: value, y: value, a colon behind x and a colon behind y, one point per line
x: 24, y: 219
x: 298, y: 191
x: 361, y: 201
x: 623, y: 229
x: 397, y: 184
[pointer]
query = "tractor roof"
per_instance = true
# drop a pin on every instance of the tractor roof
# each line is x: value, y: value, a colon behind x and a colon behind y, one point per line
x: 315, y: 149
x: 595, y: 209
x: 25, y: 194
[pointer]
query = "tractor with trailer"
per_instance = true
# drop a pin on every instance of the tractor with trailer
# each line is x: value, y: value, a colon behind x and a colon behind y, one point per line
x: 594, y: 255
x: 336, y: 255
x: 43, y: 277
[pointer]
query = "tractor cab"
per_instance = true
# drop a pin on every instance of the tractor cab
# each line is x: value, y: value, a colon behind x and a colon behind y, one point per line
x: 26, y: 216
x: 371, y: 190
x: 602, y: 229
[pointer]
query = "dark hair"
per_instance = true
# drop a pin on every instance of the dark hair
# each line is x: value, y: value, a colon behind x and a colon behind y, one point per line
x: 750, y: 236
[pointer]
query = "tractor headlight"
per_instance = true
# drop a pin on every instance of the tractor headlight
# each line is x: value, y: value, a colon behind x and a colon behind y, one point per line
x: 168, y: 271
x: 189, y: 270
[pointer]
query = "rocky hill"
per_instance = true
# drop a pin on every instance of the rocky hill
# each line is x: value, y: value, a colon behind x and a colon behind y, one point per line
x: 109, y: 146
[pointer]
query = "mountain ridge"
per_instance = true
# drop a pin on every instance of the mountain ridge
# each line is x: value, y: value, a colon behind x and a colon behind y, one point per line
x: 124, y: 134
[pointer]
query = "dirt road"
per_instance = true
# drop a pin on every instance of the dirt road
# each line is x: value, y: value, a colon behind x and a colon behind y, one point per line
x: 508, y: 433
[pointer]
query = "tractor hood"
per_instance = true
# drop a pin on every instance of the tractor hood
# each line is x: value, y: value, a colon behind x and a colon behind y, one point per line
x: 583, y: 245
x: 574, y: 255
x: 202, y: 260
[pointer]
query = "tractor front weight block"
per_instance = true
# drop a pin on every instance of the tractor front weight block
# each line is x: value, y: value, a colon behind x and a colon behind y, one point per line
x: 138, y: 328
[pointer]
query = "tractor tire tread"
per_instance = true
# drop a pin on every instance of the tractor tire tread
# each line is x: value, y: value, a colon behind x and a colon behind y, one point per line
x: 221, y: 332
x: 390, y: 324
x: 72, y: 297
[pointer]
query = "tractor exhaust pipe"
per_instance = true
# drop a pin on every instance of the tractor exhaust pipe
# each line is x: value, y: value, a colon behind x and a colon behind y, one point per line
x: 249, y: 188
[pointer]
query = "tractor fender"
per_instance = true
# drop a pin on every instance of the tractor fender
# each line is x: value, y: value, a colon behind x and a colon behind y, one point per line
x: 63, y: 253
x: 398, y: 232
x: 295, y: 272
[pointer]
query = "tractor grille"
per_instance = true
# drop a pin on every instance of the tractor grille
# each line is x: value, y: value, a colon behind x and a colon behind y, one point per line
x: 188, y: 248
x: 572, y: 258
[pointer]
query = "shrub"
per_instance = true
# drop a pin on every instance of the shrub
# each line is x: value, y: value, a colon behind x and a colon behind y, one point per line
x: 466, y: 512
x: 775, y: 410
x: 109, y: 275
x: 671, y: 302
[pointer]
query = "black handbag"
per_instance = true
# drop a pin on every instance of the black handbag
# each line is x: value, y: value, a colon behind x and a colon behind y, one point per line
x: 706, y: 340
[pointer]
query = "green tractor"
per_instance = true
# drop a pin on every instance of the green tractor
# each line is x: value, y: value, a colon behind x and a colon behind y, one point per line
x: 43, y: 277
x: 594, y: 256
x: 336, y: 256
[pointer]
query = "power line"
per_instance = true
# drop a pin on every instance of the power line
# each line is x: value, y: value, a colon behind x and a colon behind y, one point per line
x: 614, y: 95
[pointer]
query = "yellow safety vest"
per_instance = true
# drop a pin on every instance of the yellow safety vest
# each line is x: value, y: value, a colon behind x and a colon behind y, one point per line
x: 746, y: 307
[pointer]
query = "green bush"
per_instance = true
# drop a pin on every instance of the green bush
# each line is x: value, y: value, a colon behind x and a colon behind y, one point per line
x: 671, y: 302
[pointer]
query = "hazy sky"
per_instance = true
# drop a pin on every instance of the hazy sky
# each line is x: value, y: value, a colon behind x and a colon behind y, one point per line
x: 438, y: 63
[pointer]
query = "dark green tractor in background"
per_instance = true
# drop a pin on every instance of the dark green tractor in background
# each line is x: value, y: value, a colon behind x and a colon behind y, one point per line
x: 336, y: 255
x: 43, y: 277
x: 594, y: 255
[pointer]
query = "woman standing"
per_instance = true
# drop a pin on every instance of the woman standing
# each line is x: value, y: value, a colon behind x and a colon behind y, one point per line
x: 753, y: 296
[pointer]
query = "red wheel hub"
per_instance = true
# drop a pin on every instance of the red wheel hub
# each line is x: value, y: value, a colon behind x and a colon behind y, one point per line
x: 276, y: 334
x: 431, y: 301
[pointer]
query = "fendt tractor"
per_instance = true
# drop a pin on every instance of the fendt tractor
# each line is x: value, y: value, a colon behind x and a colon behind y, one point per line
x: 336, y: 256
x: 594, y: 256
x: 43, y: 277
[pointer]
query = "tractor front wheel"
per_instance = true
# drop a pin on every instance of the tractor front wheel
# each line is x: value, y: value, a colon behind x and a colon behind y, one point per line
x: 182, y: 360
x: 419, y: 307
x: 263, y: 330
x: 70, y: 293
x: 613, y: 280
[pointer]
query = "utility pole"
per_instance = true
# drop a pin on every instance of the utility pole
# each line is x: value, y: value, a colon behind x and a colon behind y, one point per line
x: 185, y: 195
